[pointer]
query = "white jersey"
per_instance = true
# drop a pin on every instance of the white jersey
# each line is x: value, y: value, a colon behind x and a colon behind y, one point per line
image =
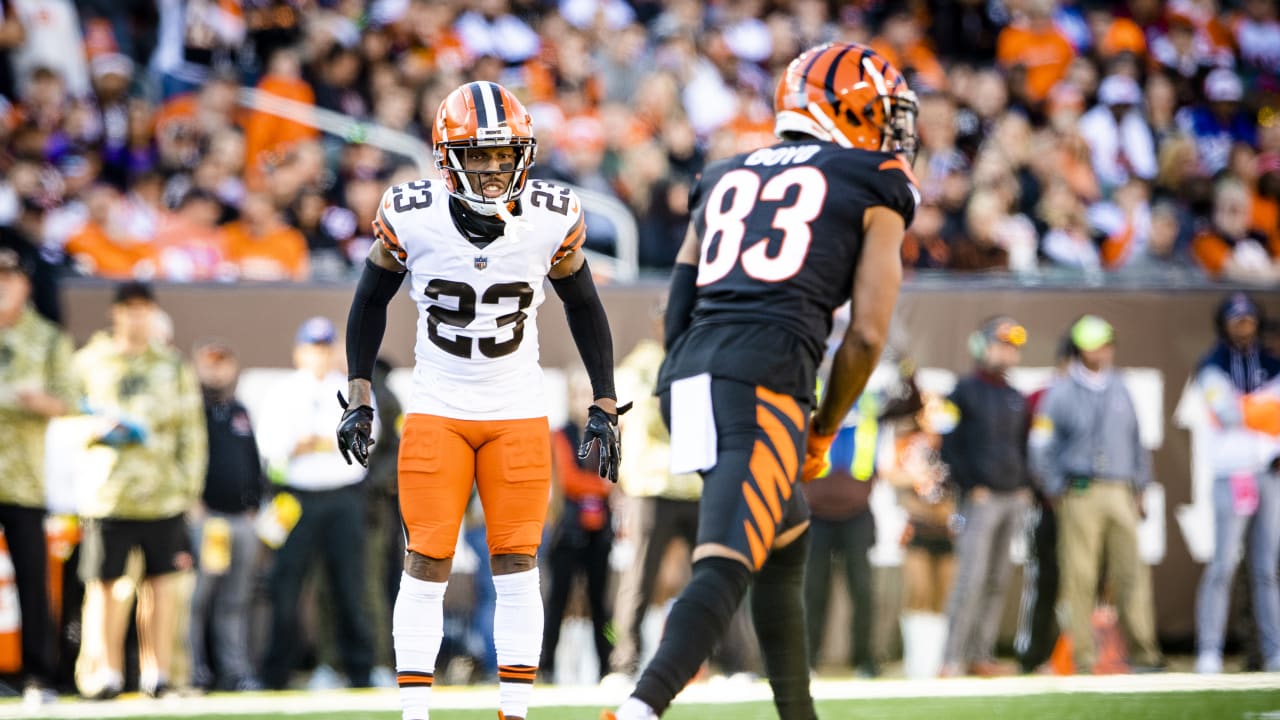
x: 476, y: 355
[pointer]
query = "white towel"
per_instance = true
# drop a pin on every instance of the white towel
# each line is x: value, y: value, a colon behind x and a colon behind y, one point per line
x: 693, y: 425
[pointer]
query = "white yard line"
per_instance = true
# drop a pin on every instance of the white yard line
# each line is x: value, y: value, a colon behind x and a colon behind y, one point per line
x: 466, y: 698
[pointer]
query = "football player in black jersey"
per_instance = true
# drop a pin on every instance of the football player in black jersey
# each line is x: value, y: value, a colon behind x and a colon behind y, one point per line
x: 780, y: 238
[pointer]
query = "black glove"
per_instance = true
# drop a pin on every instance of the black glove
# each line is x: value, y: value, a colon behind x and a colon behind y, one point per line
x: 602, y: 427
x: 355, y: 432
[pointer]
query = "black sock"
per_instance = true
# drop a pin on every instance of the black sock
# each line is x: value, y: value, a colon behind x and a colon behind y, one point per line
x: 696, y: 623
x: 777, y: 607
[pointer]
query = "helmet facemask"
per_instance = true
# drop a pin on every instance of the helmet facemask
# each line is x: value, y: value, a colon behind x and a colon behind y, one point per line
x: 466, y: 184
x: 900, y: 124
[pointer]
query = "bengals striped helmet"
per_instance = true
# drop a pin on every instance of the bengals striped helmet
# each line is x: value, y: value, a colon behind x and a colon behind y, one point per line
x: 482, y: 115
x: 847, y: 94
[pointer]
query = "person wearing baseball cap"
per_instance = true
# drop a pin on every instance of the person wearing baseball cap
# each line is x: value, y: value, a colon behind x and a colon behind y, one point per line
x: 146, y: 399
x: 1220, y: 123
x: 1088, y: 457
x: 987, y: 455
x: 316, y: 331
x: 35, y: 385
x: 1237, y: 379
x: 296, y: 438
x: 224, y: 527
x: 1119, y: 138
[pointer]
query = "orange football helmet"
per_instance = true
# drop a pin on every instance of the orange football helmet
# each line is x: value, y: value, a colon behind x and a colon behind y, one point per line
x: 850, y: 95
x: 482, y: 114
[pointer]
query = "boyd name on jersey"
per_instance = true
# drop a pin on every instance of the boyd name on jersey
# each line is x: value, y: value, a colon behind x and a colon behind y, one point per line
x: 477, y: 307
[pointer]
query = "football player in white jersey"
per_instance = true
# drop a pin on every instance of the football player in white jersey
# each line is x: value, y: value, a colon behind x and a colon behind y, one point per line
x: 476, y: 246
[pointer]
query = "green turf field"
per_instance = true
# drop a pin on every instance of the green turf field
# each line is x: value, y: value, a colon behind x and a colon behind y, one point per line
x: 1234, y: 705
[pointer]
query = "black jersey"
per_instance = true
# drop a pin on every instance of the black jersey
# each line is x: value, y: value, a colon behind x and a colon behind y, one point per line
x: 780, y: 231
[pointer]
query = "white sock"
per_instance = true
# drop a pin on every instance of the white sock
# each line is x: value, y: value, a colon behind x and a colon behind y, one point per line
x: 417, y: 628
x: 108, y: 678
x: 634, y: 709
x: 517, y: 635
x: 149, y: 680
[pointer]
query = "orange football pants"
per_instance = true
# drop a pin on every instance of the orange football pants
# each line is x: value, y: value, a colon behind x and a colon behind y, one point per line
x: 508, y: 460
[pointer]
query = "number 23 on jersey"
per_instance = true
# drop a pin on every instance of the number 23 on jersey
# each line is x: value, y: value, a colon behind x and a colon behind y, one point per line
x: 725, y: 242
x: 465, y: 314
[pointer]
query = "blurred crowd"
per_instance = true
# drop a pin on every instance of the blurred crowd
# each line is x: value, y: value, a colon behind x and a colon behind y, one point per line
x: 1132, y: 137
x: 1139, y: 136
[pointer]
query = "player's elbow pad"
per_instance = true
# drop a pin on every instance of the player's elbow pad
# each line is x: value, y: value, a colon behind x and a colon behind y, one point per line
x: 590, y: 328
x: 367, y: 320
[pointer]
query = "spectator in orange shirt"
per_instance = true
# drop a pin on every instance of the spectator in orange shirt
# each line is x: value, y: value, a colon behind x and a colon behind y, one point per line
x: 1188, y: 48
x: 102, y: 249
x: 1228, y: 248
x: 902, y: 43
x: 656, y: 102
x: 1128, y: 225
x: 266, y: 136
x: 189, y: 245
x: 435, y: 46
x: 566, y: 64
x: 200, y: 114
x: 752, y: 127
x: 1037, y: 48
x: 1112, y: 35
x: 1210, y: 20
x: 581, y: 145
x: 263, y: 246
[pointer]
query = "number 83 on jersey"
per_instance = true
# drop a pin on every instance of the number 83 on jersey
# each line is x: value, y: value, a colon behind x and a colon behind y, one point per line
x: 801, y: 191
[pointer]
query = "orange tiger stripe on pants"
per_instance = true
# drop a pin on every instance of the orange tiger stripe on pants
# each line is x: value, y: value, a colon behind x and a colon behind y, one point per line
x: 774, y: 463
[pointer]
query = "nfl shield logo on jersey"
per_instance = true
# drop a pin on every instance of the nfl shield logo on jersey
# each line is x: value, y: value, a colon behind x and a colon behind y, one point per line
x: 482, y: 262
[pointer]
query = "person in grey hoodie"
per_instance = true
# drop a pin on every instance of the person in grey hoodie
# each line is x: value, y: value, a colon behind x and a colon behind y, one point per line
x: 1087, y: 455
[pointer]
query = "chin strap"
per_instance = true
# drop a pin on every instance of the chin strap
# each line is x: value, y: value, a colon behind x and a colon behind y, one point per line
x: 513, y: 227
